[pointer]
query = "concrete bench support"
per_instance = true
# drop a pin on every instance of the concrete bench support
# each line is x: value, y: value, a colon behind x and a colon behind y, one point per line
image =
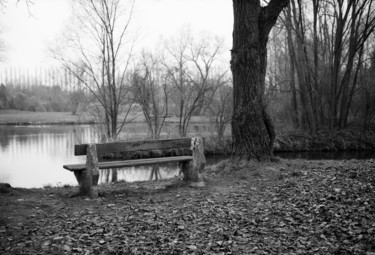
x: 193, y: 171
x: 88, y: 178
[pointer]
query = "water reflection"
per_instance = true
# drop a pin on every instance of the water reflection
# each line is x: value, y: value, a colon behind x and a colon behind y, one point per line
x: 33, y: 156
x: 144, y: 173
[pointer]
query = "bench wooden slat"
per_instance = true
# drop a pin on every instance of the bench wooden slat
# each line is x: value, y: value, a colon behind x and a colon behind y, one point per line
x: 130, y: 163
x: 80, y: 149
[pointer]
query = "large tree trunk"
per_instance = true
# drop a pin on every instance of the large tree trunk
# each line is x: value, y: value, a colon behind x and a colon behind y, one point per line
x: 252, y: 129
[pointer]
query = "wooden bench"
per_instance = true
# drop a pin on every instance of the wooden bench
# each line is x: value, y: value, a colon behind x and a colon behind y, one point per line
x: 87, y: 174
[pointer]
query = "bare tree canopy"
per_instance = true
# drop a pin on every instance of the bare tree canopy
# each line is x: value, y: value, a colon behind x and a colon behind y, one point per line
x: 151, y: 92
x: 191, y: 67
x: 321, y: 64
x: 4, y: 3
x: 100, y: 60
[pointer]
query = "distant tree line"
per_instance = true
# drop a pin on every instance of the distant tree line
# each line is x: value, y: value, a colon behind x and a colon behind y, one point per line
x: 36, y: 98
x: 27, y: 77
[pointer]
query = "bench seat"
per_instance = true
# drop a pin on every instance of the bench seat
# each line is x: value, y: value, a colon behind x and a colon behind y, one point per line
x: 129, y: 163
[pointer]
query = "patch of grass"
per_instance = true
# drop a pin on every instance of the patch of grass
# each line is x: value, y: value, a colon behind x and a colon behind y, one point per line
x: 214, y: 146
x: 323, y: 140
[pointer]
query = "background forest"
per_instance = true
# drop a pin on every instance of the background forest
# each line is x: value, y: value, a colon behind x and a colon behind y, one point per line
x: 321, y: 73
x: 321, y: 64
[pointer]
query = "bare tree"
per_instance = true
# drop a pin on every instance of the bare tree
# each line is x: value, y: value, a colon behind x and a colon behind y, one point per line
x: 75, y: 88
x: 221, y: 108
x: 189, y: 65
x: 3, y: 3
x: 362, y: 25
x: 367, y: 98
x: 151, y: 92
x: 99, y: 49
x: 327, y: 53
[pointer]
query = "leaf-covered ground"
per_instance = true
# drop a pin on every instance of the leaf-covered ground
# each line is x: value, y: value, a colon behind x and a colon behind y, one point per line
x: 290, y: 207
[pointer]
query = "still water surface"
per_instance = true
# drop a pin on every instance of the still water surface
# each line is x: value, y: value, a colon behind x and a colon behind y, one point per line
x: 33, y: 156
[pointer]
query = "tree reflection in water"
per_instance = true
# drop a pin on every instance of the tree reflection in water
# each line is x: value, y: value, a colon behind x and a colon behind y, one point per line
x: 155, y: 172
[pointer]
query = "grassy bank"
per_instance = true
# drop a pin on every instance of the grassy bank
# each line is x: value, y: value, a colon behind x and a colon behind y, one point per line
x: 290, y: 207
x: 291, y: 141
x: 14, y: 117
x: 299, y: 141
x: 343, y: 140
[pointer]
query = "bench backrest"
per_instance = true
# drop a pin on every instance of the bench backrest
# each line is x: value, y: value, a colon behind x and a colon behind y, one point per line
x: 146, y: 145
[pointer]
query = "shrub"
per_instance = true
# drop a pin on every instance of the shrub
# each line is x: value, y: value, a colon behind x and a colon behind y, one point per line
x: 19, y: 101
x: 35, y: 105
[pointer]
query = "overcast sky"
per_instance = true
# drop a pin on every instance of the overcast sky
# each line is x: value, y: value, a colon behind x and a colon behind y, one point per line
x: 27, y: 34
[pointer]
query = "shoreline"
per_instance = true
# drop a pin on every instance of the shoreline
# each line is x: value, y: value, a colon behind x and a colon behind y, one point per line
x: 292, y: 141
x: 27, y: 123
x: 27, y: 118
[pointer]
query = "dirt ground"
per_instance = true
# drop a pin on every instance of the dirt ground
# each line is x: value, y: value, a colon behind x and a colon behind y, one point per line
x: 288, y: 207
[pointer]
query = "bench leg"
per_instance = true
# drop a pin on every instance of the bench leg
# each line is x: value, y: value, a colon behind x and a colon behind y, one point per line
x: 79, y: 177
x: 193, y: 171
x: 114, y: 175
x: 155, y: 171
x: 88, y: 179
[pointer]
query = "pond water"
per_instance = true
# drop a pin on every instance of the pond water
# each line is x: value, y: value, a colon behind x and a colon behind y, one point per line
x: 33, y: 156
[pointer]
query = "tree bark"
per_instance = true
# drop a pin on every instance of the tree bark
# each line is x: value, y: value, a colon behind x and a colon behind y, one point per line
x: 252, y: 128
x: 292, y: 83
